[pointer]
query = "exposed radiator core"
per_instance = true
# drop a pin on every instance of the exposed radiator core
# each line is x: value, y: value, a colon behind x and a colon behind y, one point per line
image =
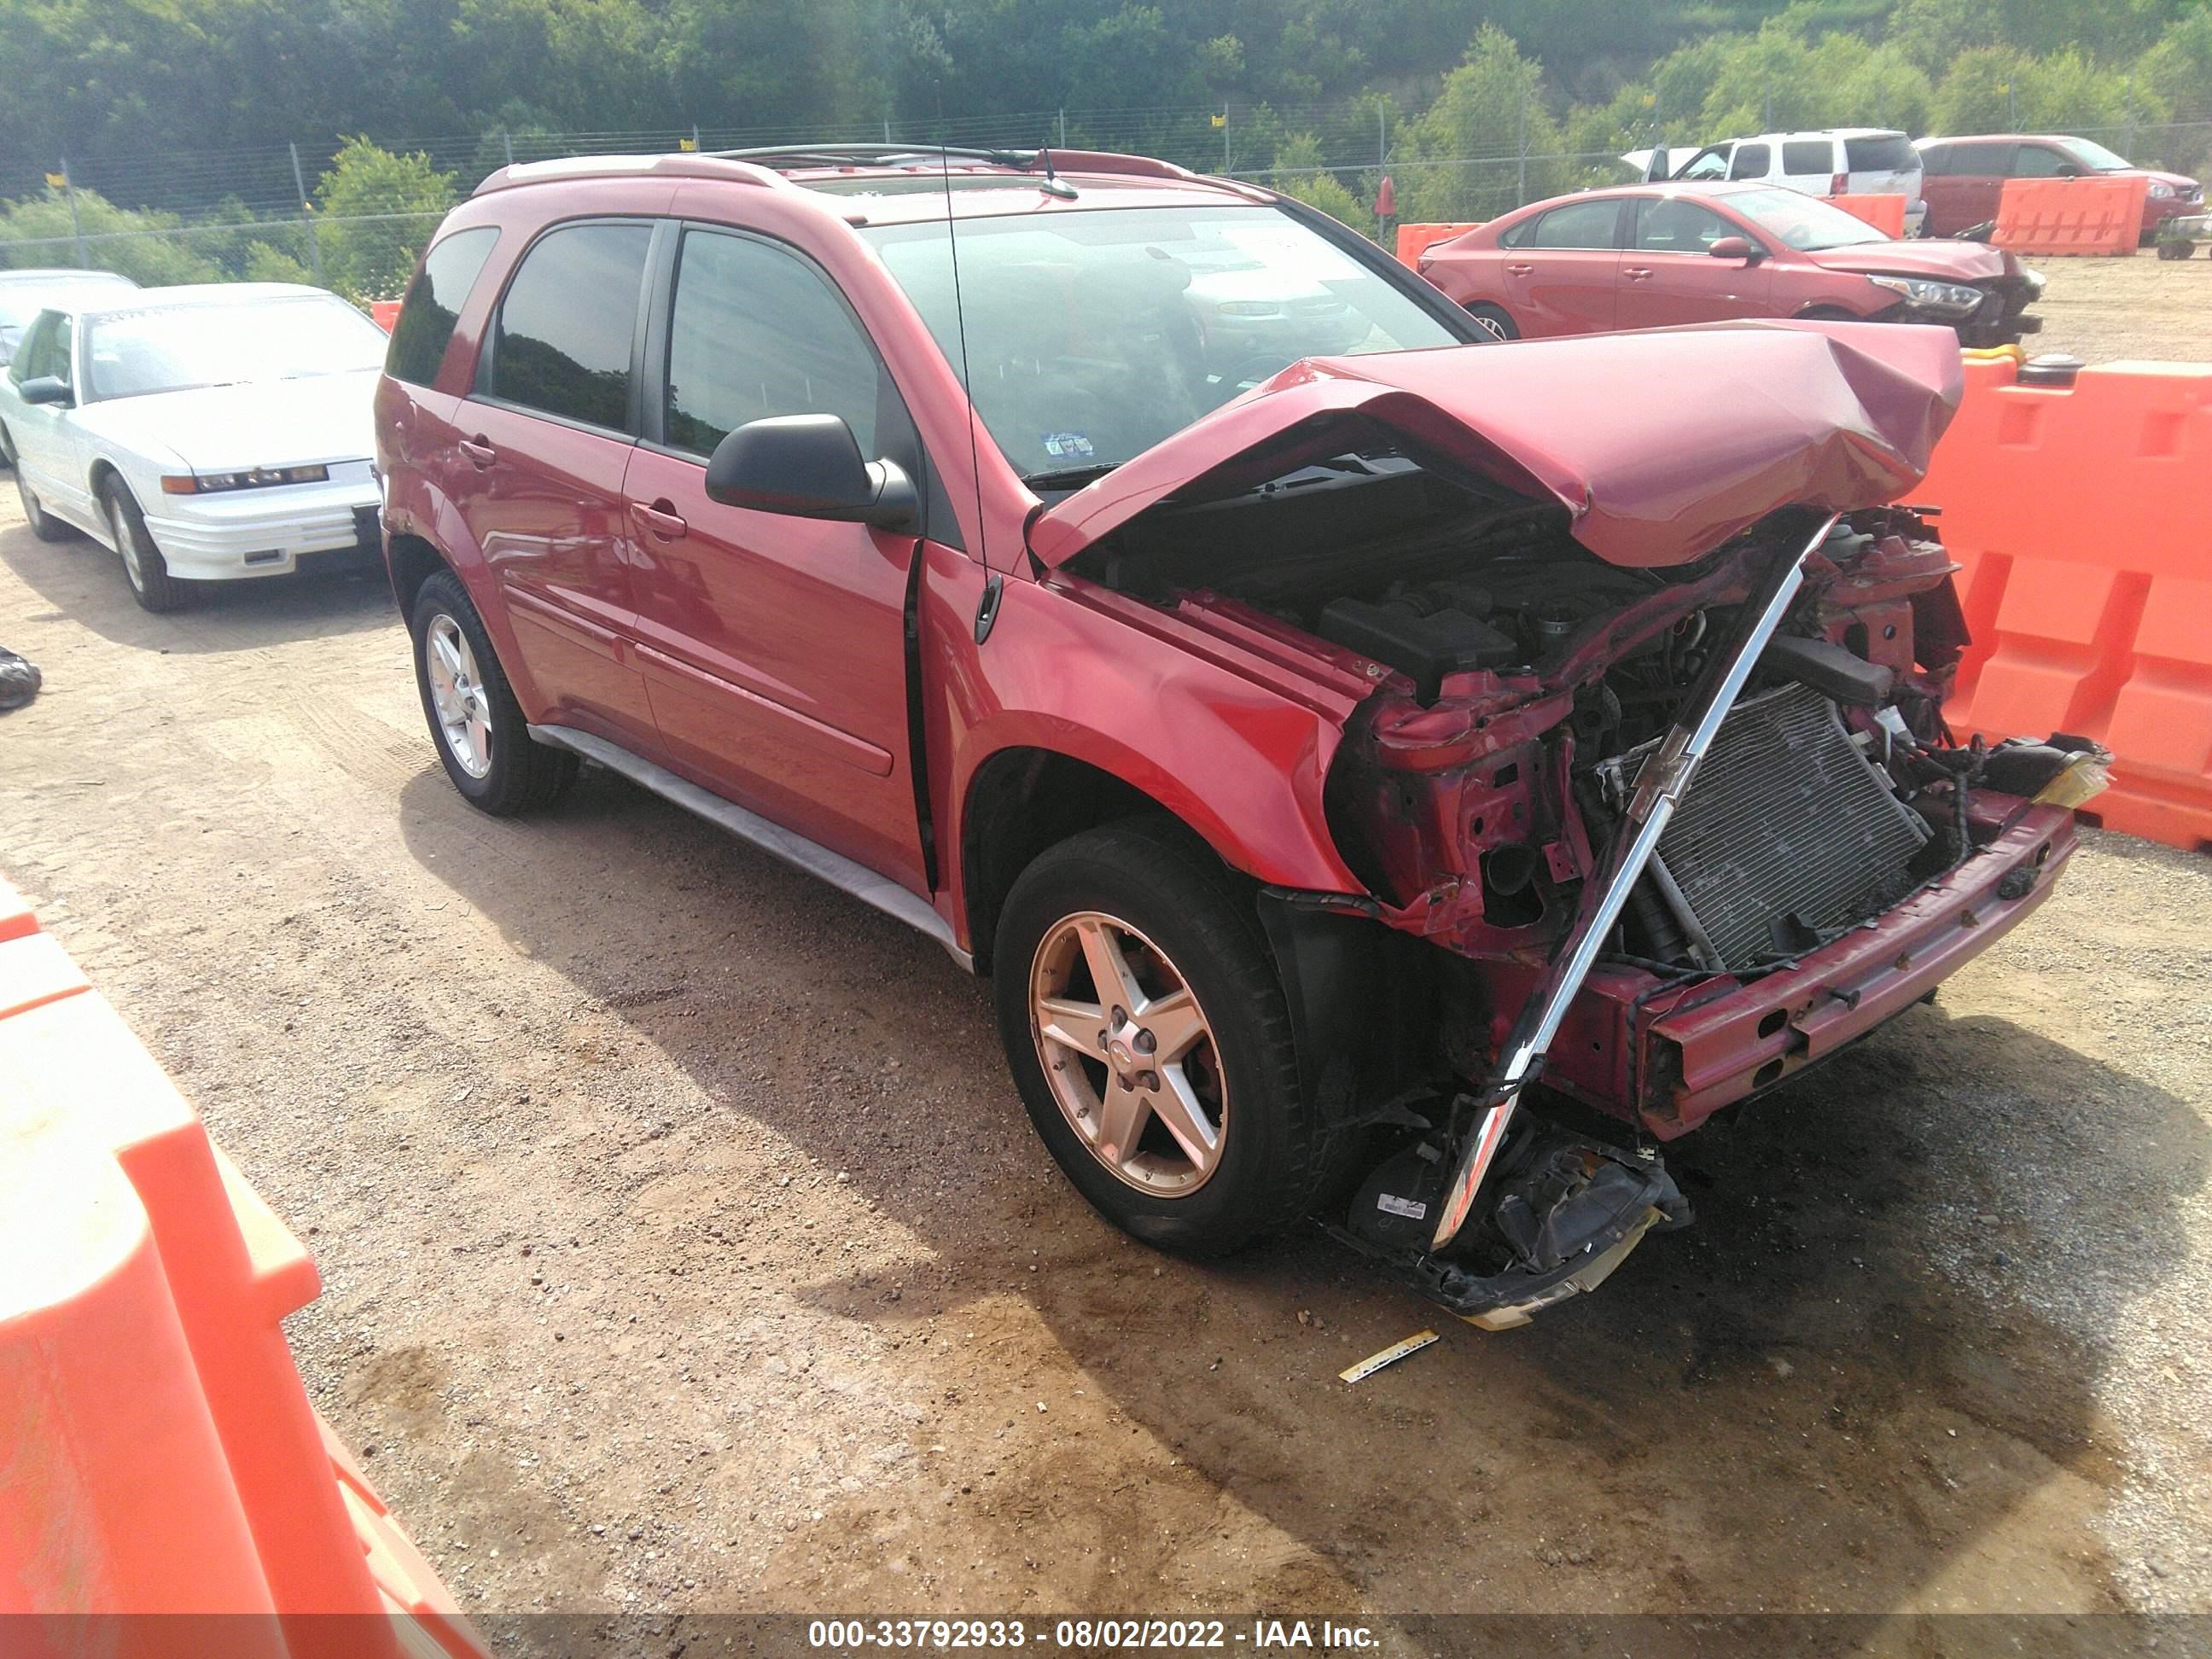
x: 1787, y: 834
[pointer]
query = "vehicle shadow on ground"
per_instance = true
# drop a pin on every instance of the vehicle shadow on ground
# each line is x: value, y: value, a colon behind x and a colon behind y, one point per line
x: 83, y: 581
x: 1883, y: 1337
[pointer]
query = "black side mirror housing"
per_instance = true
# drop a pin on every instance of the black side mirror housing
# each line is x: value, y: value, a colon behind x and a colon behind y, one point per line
x: 809, y: 467
x: 46, y: 389
x: 1736, y: 247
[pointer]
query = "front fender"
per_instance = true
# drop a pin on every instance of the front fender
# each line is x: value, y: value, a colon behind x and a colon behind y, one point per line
x: 1235, y: 745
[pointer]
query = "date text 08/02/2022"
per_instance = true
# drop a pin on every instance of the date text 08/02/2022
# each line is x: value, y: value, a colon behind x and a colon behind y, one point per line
x: 1259, y: 1635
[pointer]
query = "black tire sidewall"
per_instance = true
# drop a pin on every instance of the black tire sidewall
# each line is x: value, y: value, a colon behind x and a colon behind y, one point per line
x: 443, y: 595
x: 1487, y: 315
x: 1142, y: 876
x: 155, y: 590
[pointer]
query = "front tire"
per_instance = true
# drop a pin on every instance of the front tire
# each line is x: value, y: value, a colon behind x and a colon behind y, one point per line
x: 148, y: 572
x: 1147, y: 1030
x: 478, y: 727
x: 1494, y: 320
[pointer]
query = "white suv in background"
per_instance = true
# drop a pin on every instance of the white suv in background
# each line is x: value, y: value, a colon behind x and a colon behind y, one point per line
x: 1839, y: 161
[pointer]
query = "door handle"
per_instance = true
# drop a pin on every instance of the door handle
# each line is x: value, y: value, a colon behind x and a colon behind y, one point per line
x: 661, y: 518
x: 478, y: 451
x: 1636, y: 273
x: 1520, y: 271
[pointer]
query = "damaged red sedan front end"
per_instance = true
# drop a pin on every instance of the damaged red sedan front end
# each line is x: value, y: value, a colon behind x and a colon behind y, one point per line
x: 1559, y: 621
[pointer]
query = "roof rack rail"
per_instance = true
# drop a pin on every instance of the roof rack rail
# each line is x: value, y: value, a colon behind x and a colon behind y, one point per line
x: 863, y: 154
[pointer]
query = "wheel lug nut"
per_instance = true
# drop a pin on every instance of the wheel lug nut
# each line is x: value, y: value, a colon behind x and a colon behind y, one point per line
x: 1145, y: 1042
x: 1150, y: 1082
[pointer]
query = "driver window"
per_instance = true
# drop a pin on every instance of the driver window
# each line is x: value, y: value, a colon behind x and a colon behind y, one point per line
x: 60, y: 354
x: 1751, y: 161
x: 757, y: 332
x: 1706, y: 164
x: 2035, y: 161
x: 1673, y: 226
x: 31, y: 352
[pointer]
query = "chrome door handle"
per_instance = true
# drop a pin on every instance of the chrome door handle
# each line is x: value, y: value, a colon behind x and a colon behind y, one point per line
x: 1520, y: 271
x: 661, y: 519
x: 1636, y: 273
x: 478, y: 451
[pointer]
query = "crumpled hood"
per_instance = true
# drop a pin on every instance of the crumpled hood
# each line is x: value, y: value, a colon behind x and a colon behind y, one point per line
x: 1944, y: 261
x: 1660, y: 444
x: 317, y: 418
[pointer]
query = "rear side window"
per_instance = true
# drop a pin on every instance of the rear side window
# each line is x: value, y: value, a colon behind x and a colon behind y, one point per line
x: 757, y: 332
x: 1939, y: 161
x: 1802, y: 157
x: 1888, y: 152
x: 562, y: 341
x: 1584, y: 224
x: 1981, y: 160
x: 434, y: 304
x: 1751, y: 161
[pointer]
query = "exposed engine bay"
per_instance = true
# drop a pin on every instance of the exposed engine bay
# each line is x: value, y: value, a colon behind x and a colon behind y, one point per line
x: 1527, y: 696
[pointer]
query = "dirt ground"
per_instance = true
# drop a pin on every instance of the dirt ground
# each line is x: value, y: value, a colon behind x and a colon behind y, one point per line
x: 2141, y: 307
x: 685, y: 1248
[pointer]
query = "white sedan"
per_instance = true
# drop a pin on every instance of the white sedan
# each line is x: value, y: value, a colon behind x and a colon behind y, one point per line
x: 205, y: 434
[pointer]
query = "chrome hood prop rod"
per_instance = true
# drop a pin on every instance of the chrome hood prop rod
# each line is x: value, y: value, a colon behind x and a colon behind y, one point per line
x: 1660, y: 786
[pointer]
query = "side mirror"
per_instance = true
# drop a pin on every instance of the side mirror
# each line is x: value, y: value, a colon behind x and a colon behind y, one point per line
x: 1735, y: 247
x: 46, y: 389
x: 809, y: 467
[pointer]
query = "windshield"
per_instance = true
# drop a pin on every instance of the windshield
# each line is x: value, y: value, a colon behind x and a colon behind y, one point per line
x: 1091, y: 334
x: 134, y: 354
x: 1804, y: 223
x: 2095, y: 156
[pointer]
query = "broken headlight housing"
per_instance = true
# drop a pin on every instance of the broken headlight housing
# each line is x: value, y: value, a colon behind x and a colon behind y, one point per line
x: 1942, y: 299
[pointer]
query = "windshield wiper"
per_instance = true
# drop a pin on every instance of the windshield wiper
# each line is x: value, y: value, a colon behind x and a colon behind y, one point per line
x: 1068, y: 477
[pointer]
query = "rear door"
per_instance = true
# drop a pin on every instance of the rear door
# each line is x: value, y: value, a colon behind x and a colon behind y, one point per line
x: 1560, y: 278
x: 774, y: 646
x: 32, y: 427
x: 546, y: 435
x: 1668, y: 276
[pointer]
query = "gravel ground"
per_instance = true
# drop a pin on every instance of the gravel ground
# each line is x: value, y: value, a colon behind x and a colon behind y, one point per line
x: 2138, y: 306
x: 685, y: 1246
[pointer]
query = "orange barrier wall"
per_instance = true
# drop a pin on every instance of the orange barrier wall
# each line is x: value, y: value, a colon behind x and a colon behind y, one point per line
x: 2078, y: 515
x: 2072, y: 215
x: 1884, y: 213
x: 385, y: 312
x: 1413, y: 239
x: 160, y: 1454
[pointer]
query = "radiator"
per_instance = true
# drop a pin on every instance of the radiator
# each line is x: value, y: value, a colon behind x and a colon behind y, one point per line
x: 1788, y: 834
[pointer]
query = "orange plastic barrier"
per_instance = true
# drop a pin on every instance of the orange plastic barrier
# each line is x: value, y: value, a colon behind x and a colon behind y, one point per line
x: 160, y: 1454
x: 2078, y: 514
x: 385, y: 312
x: 1884, y: 213
x: 2095, y: 214
x: 1413, y: 239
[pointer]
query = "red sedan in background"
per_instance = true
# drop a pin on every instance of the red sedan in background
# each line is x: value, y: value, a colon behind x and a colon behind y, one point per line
x: 1649, y: 256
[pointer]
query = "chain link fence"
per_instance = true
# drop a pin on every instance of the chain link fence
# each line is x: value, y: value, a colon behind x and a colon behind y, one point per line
x: 244, y: 215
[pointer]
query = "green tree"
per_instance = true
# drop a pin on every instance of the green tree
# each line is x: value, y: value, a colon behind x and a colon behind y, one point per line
x: 1464, y: 157
x: 1297, y: 171
x: 150, y: 248
x: 395, y: 201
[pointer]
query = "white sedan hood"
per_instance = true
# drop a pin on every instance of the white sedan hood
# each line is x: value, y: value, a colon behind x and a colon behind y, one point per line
x: 317, y: 419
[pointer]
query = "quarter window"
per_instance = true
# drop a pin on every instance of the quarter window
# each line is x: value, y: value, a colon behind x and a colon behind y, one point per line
x: 434, y: 304
x: 1584, y: 224
x: 1751, y: 161
x: 562, y: 342
x: 757, y: 332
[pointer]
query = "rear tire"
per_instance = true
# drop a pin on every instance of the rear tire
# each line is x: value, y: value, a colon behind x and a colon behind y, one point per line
x: 1494, y: 320
x: 478, y: 728
x: 1186, y: 931
x: 143, y: 566
x: 44, y: 524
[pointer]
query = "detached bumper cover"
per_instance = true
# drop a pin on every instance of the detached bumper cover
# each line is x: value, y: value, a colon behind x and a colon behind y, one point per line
x: 1688, y: 1051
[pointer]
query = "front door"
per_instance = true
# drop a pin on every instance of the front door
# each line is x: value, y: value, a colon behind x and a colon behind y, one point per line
x: 38, y: 431
x: 544, y: 438
x: 1668, y: 277
x: 774, y: 647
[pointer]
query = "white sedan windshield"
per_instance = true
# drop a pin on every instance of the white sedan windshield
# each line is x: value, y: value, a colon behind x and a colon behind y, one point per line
x: 1089, y: 335
x: 134, y: 354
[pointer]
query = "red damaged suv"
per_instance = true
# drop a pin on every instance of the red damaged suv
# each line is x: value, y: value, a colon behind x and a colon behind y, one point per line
x: 1319, y: 723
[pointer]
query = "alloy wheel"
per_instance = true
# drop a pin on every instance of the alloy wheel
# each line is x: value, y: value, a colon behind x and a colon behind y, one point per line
x: 1128, y: 1054
x: 457, y: 691
x: 125, y: 543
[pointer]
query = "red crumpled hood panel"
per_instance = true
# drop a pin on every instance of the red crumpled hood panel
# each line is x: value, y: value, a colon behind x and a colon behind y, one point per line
x: 1660, y: 444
